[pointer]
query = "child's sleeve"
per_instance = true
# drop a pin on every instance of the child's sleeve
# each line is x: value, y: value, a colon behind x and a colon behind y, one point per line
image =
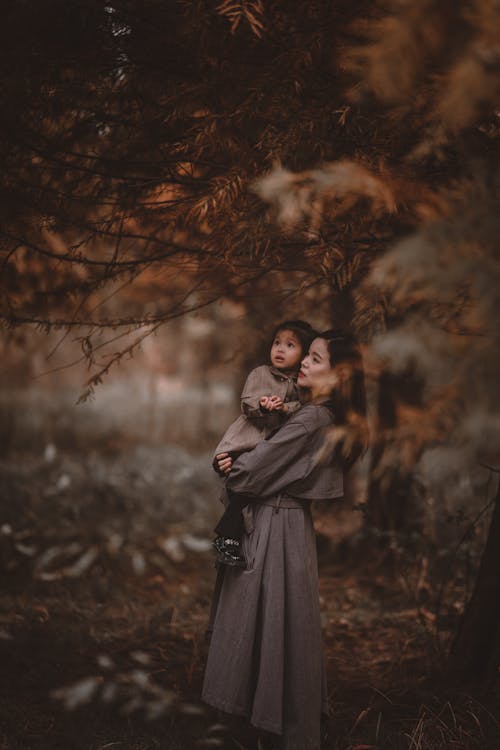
x: 290, y: 407
x: 257, y: 384
x: 292, y: 402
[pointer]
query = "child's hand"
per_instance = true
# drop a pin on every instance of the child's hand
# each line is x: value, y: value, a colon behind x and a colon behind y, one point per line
x: 271, y: 403
x: 224, y: 463
x: 276, y: 403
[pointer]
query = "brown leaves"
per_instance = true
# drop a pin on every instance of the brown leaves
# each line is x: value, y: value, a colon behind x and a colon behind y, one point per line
x: 435, y: 60
x: 224, y: 191
x: 348, y: 440
x: 429, y: 424
x: 331, y: 190
x: 470, y: 86
x: 251, y: 11
x: 401, y: 45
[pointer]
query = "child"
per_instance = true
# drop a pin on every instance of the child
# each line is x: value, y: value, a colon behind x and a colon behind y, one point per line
x: 269, y: 396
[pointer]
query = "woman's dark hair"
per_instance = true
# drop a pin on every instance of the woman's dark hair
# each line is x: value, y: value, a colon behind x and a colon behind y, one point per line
x: 348, y: 399
x: 304, y: 332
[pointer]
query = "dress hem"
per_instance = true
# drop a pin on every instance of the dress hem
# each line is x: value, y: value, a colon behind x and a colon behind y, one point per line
x: 230, y: 709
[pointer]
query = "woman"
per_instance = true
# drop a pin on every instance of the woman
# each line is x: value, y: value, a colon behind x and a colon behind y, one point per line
x: 265, y: 658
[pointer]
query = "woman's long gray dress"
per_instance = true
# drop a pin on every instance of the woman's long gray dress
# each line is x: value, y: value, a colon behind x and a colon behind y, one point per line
x: 265, y: 659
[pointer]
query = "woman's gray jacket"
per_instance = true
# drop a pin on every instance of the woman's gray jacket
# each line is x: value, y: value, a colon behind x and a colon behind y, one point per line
x: 296, y: 461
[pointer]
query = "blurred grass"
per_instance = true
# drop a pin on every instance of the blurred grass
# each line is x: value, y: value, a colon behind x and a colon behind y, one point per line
x: 124, y: 412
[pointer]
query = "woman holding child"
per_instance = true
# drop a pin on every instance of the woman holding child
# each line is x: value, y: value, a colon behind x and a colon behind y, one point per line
x: 265, y: 659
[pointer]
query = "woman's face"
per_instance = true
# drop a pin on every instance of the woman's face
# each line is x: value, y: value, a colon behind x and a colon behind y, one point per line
x: 316, y: 372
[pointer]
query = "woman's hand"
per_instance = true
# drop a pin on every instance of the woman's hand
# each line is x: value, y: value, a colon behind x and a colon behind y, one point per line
x: 224, y: 463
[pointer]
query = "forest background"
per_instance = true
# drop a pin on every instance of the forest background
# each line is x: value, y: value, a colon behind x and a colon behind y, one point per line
x: 178, y: 176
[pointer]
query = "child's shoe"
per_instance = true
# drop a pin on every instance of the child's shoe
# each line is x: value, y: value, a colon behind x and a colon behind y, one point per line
x: 229, y: 552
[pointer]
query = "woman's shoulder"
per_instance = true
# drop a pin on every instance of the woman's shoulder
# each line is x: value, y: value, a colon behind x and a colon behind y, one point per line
x: 313, y: 416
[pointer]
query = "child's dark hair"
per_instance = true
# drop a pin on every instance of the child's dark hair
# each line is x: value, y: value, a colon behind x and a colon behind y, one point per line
x: 304, y: 332
x: 348, y: 399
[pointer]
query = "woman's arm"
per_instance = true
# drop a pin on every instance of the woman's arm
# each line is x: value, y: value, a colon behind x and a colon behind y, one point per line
x: 275, y: 463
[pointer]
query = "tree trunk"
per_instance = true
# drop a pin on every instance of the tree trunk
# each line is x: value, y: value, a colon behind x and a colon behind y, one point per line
x: 342, y: 307
x: 475, y: 653
x: 392, y: 504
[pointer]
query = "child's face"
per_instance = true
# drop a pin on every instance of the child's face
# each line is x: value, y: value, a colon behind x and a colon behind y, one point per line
x: 286, y: 351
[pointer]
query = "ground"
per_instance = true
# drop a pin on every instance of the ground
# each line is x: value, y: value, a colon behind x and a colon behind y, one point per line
x: 103, y: 610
